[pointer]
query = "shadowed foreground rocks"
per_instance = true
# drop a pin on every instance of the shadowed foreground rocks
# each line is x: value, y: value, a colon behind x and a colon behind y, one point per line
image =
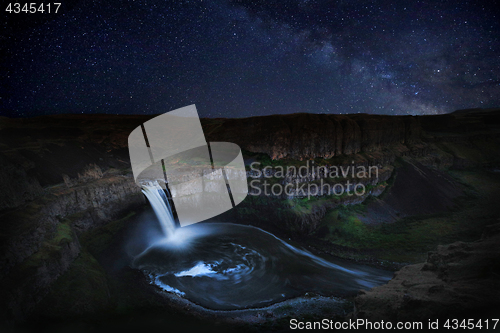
x: 459, y: 280
x: 40, y: 241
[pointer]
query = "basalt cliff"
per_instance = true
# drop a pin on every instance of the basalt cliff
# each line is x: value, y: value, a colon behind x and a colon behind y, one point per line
x: 307, y: 136
x: 64, y: 175
x: 458, y: 281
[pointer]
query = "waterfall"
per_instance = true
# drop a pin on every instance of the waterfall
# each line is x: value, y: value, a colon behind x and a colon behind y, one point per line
x: 161, y: 206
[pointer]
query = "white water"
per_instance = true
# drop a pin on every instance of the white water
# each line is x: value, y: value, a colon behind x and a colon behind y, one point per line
x: 228, y: 266
x: 163, y: 211
x: 161, y: 206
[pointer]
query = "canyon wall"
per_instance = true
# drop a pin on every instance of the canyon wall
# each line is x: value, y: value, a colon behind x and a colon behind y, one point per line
x: 60, y: 177
x: 41, y: 240
x: 64, y: 175
x: 306, y: 136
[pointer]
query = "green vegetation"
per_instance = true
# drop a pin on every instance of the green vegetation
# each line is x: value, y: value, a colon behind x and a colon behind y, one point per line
x: 23, y: 220
x: 51, y: 247
x: 89, y: 287
x: 265, y: 160
x: 86, y: 287
x: 262, y: 158
x: 96, y: 240
x: 82, y: 288
x: 409, y: 239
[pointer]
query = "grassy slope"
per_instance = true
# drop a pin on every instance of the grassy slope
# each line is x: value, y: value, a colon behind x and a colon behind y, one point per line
x: 85, y: 287
x: 409, y: 240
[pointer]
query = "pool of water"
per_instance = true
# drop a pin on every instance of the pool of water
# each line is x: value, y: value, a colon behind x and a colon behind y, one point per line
x: 227, y: 266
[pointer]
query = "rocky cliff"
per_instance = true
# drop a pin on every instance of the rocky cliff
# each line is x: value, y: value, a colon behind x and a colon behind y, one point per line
x: 60, y: 176
x: 457, y: 281
x: 64, y: 175
x: 41, y: 240
x: 38, y: 152
x: 306, y: 136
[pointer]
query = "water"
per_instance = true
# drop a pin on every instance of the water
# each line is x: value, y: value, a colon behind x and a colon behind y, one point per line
x: 228, y: 266
x: 161, y: 206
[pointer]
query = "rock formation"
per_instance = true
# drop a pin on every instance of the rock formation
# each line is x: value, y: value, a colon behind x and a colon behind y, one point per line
x: 64, y: 175
x: 460, y: 280
x: 40, y: 241
x: 306, y: 136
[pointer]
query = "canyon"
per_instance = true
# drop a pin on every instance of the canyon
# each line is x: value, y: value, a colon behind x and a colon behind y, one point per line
x: 64, y: 176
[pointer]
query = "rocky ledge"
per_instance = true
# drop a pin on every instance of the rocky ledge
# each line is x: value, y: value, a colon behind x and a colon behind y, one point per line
x: 459, y: 280
x: 41, y: 239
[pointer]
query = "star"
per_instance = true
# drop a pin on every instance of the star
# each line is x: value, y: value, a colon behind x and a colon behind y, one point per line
x: 246, y: 57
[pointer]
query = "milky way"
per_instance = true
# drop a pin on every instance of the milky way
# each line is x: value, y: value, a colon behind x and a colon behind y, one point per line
x: 243, y: 58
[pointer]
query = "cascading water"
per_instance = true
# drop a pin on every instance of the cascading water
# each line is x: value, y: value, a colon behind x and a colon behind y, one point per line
x: 161, y: 206
x: 227, y: 266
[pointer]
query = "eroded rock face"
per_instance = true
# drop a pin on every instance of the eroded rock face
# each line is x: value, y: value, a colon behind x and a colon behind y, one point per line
x: 41, y: 238
x: 459, y: 280
x: 88, y: 206
x: 29, y: 284
x: 37, y: 152
x: 306, y: 136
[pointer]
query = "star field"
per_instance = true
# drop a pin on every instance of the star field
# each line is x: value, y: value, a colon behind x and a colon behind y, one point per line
x: 243, y: 58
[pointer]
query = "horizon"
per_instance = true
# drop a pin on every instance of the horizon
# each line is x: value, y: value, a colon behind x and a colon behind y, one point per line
x: 152, y: 115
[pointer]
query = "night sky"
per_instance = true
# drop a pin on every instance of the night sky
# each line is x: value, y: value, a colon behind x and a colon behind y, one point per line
x: 243, y: 58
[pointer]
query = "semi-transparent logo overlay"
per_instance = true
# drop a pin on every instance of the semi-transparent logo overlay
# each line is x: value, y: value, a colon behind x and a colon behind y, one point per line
x: 204, y: 179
